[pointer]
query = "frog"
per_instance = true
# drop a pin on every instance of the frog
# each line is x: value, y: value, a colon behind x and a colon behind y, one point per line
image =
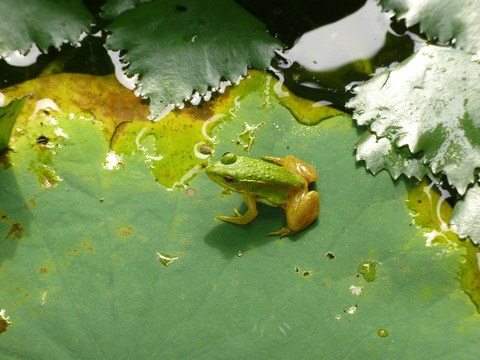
x: 275, y: 181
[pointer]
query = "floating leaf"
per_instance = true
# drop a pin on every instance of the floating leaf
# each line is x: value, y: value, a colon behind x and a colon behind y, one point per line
x: 430, y: 103
x: 466, y: 217
x: 42, y: 22
x: 85, y: 278
x: 181, y: 48
x: 380, y: 154
x: 442, y: 19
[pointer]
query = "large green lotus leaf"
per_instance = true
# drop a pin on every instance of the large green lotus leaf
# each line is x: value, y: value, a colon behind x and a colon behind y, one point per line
x: 181, y: 48
x: 431, y: 104
x: 42, y: 22
x: 84, y: 269
x: 466, y: 217
x: 442, y: 19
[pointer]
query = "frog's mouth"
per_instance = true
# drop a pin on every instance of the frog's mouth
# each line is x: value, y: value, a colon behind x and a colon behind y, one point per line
x: 211, y: 174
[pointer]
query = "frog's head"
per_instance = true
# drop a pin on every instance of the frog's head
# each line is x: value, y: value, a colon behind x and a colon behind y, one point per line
x: 224, y: 172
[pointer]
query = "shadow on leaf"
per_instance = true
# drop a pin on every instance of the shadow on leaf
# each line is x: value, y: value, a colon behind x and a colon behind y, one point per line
x: 14, y: 214
x: 234, y: 240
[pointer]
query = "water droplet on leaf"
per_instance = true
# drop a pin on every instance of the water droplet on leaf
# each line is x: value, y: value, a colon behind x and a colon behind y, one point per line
x: 165, y: 259
x: 368, y: 270
x: 382, y: 333
x: 330, y: 255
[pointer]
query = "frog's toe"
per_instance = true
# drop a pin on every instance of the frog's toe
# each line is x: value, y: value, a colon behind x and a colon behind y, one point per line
x: 282, y: 232
x: 232, y: 219
x: 239, y: 219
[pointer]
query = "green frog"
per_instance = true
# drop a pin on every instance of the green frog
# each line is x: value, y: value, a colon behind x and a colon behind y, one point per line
x: 279, y: 182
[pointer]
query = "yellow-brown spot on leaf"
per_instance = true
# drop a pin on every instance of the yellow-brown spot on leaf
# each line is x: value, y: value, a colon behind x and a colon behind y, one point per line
x: 48, y: 178
x: 203, y: 112
x: 86, y: 246
x: 16, y: 231
x: 5, y: 159
x: 306, y: 273
x: 3, y: 325
x: 126, y: 231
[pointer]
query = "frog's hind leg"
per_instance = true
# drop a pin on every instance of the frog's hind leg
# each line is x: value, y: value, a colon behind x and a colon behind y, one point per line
x: 302, y: 209
x: 296, y: 165
x: 240, y: 219
x: 277, y: 160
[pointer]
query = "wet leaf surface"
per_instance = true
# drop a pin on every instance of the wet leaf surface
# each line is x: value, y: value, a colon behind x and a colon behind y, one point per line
x: 466, y: 217
x: 45, y: 23
x: 179, y: 49
x: 111, y: 264
x: 442, y: 19
x: 379, y: 154
x: 429, y: 104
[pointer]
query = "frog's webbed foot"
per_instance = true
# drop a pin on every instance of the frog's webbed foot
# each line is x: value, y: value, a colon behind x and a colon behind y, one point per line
x: 240, y: 219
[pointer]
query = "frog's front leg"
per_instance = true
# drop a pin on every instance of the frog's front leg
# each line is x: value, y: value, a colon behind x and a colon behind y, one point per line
x: 240, y: 219
x: 302, y: 209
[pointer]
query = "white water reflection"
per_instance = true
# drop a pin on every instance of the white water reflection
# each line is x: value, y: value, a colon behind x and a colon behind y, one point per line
x: 357, y: 36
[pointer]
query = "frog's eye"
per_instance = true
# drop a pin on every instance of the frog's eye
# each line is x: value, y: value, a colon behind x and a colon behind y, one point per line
x: 228, y: 158
x: 228, y: 178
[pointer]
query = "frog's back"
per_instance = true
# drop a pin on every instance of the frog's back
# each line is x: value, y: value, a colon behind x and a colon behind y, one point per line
x: 271, y: 183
